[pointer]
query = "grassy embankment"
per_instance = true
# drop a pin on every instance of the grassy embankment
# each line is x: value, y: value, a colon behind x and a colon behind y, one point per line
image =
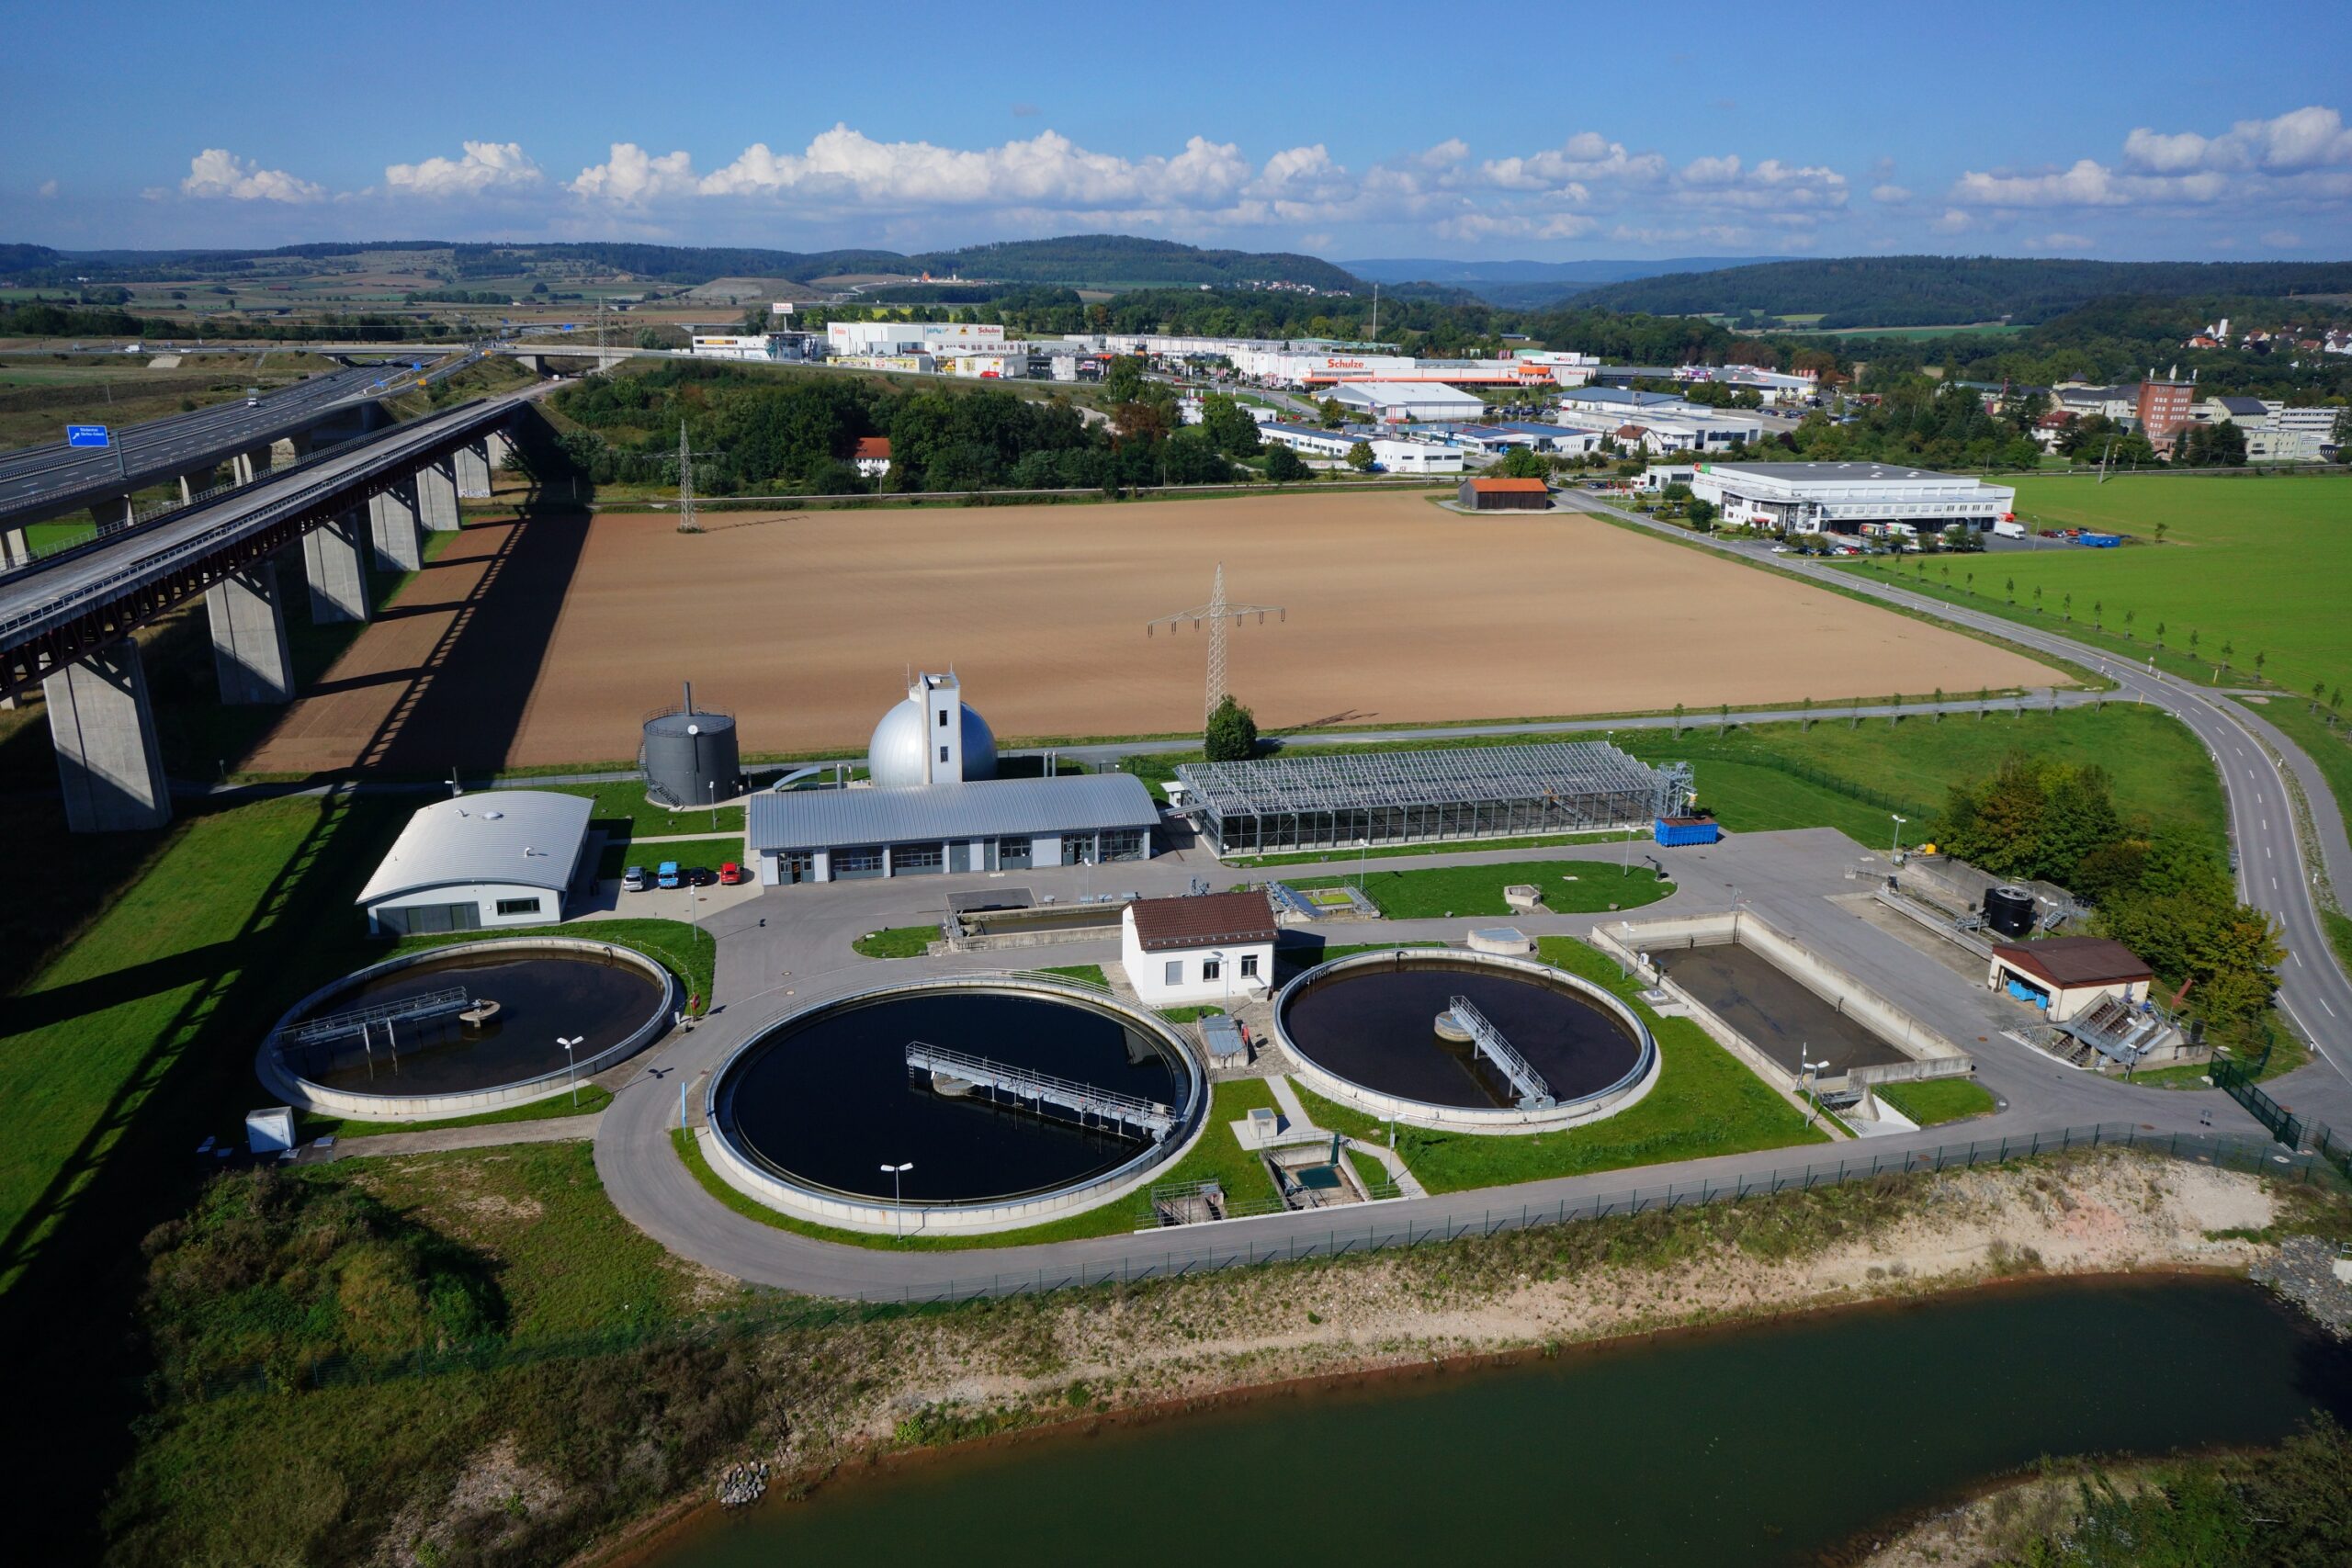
x: 692, y: 855
x: 1934, y: 1100
x: 1569, y: 887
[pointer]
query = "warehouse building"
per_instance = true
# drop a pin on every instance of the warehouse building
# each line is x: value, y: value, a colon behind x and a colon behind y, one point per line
x: 1393, y: 402
x: 508, y: 857
x: 1846, y: 498
x: 1409, y: 797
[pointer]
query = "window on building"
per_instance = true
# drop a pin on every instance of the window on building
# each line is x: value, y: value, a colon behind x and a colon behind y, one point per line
x: 1249, y: 966
x: 1174, y: 975
x: 1211, y: 969
x: 518, y: 905
x: 865, y: 861
x: 1124, y: 843
x: 942, y: 753
x: 910, y: 860
x: 942, y: 718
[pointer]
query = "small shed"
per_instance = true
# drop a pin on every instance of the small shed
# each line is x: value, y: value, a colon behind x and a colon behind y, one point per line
x: 1505, y: 495
x: 270, y: 1131
x: 2068, y: 976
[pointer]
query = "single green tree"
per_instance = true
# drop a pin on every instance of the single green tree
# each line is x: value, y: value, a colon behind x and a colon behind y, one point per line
x: 1284, y: 466
x: 1938, y: 701
x: 1806, y: 723
x: 1231, y: 735
x: 1678, y: 721
x: 1359, y: 457
x: 1702, y: 515
x: 1722, y: 717
x: 2162, y: 529
x: 1523, y: 463
x: 2260, y: 658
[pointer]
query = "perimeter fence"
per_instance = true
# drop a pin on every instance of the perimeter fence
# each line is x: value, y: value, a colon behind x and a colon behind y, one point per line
x: 1236, y: 1248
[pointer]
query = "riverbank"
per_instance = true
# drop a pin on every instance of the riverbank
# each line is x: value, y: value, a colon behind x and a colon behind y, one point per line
x: 1136, y: 1355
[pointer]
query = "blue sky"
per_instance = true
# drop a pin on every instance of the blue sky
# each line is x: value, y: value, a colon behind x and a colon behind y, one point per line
x: 1556, y: 132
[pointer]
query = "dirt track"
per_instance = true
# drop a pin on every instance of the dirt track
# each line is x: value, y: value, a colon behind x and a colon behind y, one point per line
x: 547, y: 642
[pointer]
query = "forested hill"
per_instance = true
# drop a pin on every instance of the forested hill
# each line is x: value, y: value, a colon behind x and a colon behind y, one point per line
x: 1904, y: 291
x: 1103, y: 259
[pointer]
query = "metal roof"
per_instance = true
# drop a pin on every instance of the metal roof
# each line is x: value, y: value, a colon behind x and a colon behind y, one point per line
x: 527, y: 836
x: 2075, y: 960
x: 1837, y: 473
x: 982, y: 808
x: 1367, y: 780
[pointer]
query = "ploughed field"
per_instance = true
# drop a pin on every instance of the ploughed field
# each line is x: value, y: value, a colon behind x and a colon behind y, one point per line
x: 547, y: 641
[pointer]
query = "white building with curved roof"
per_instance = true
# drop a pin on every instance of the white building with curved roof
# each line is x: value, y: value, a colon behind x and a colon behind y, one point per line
x: 504, y: 857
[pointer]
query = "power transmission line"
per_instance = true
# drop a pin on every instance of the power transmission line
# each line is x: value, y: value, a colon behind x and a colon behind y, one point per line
x: 1216, y: 612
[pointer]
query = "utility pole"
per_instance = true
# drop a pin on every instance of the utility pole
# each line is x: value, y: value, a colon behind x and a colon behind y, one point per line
x: 688, y: 523
x: 1216, y: 612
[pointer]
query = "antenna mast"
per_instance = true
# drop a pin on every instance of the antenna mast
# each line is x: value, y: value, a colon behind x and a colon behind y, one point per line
x: 1216, y: 612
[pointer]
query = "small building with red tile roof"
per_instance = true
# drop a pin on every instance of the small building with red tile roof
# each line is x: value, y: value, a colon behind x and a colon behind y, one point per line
x: 1209, y: 947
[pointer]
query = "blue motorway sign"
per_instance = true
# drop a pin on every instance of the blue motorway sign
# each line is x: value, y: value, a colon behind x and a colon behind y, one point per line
x: 88, y: 435
x: 566, y: 327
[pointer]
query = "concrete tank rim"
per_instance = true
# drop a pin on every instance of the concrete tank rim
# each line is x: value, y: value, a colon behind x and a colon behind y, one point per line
x: 807, y: 1200
x: 1500, y: 1121
x: 304, y: 1095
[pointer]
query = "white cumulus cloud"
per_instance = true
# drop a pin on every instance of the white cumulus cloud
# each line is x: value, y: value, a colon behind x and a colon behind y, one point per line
x: 2308, y: 138
x: 485, y: 165
x: 1046, y: 170
x: 217, y: 172
x: 1587, y: 157
x: 630, y: 175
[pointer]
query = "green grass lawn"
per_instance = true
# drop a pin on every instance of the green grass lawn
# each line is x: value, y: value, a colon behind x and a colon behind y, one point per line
x: 708, y: 853
x: 1933, y: 1100
x: 1841, y: 774
x: 1478, y: 889
x: 1089, y: 974
x: 2325, y: 740
x: 1191, y: 1014
x: 898, y: 942
x: 1705, y: 1102
x: 626, y: 802
x: 2257, y: 563
x: 1218, y: 1157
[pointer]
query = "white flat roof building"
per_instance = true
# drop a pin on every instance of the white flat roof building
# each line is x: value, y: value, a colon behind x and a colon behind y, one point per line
x: 1393, y: 401
x: 504, y: 857
x: 1813, y: 498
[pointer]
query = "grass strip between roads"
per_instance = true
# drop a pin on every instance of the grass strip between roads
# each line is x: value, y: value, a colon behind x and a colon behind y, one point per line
x: 1568, y: 887
x: 593, y: 1099
x: 1932, y: 1102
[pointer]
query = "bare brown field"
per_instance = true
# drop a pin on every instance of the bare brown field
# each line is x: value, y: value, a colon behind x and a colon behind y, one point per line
x: 529, y: 644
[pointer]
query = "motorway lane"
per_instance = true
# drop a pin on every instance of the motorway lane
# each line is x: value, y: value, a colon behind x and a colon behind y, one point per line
x: 2273, y: 874
x: 35, y: 597
x: 39, y: 477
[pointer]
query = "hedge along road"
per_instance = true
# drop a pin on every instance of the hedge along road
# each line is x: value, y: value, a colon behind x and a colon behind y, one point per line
x: 2273, y: 874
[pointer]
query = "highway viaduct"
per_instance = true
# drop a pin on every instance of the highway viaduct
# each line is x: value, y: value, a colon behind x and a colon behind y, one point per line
x: 67, y: 620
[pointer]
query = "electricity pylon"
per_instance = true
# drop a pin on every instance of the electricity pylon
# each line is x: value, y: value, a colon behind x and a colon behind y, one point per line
x: 1216, y: 612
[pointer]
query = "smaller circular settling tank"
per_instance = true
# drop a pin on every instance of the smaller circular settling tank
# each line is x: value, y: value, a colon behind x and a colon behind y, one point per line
x: 1464, y: 1042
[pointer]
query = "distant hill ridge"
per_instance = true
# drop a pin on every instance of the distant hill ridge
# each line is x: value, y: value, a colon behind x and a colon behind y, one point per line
x: 1073, y: 259
x: 1901, y: 291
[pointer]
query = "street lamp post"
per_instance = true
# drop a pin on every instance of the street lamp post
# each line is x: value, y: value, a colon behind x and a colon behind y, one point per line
x: 1899, y: 820
x: 1810, y: 1069
x: 572, y: 1064
x: 898, y: 1214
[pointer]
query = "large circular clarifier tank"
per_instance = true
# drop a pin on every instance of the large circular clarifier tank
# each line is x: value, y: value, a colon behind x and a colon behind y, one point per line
x: 1380, y: 1031
x: 1067, y: 1099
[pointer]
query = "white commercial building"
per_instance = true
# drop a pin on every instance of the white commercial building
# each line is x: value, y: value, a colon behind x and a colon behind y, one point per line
x: 1393, y: 402
x: 1216, y: 948
x: 1846, y: 498
x: 1394, y: 456
x: 505, y: 857
x: 909, y: 337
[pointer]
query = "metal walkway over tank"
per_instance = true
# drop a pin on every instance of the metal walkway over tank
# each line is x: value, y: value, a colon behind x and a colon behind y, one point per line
x: 1534, y: 1094
x: 360, y: 1020
x: 1088, y: 1102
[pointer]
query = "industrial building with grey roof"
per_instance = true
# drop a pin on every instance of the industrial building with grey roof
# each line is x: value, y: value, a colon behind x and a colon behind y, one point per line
x: 835, y: 835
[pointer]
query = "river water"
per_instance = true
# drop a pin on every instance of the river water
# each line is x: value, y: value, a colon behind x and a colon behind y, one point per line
x: 1757, y: 1445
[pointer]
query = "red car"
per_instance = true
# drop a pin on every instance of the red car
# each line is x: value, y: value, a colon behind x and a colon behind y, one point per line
x: 730, y: 874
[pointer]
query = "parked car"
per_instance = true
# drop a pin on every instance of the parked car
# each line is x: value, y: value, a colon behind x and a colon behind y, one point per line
x: 667, y: 874
x: 730, y: 874
x: 633, y: 879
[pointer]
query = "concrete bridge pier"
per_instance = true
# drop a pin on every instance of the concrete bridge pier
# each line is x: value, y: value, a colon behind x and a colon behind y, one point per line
x: 436, y: 494
x: 200, y: 479
x: 288, y: 450
x: 392, y: 527
x: 104, y: 732
x: 115, y: 514
x: 473, y: 471
x: 334, y: 563
x: 15, y: 548
x: 497, y: 447
x: 249, y: 638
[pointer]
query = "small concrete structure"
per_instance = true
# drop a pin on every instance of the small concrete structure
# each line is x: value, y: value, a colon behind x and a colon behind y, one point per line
x: 104, y: 733
x: 1523, y: 897
x: 334, y: 563
x: 2066, y: 977
x: 1210, y: 947
x: 1508, y: 940
x: 248, y: 623
x: 500, y: 858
